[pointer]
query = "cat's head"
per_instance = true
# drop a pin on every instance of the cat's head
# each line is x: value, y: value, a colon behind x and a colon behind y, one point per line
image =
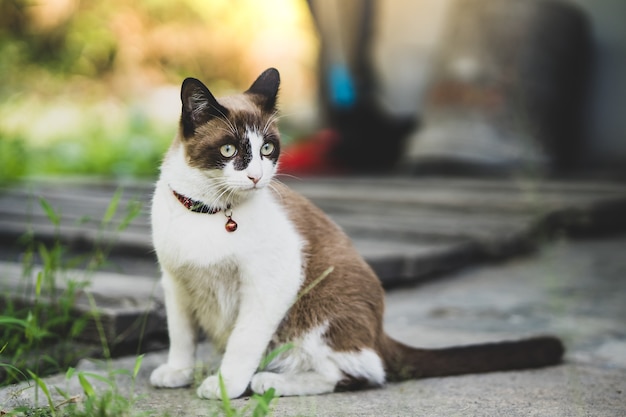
x: 233, y: 141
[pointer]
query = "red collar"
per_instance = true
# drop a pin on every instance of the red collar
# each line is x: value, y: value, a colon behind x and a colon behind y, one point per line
x: 200, y: 207
x: 195, y: 205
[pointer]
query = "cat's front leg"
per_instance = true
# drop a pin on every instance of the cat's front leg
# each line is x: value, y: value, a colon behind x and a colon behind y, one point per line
x: 259, y: 316
x: 178, y: 371
x: 246, y: 345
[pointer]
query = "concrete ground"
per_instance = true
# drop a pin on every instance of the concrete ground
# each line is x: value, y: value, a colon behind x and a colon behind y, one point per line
x: 575, y: 289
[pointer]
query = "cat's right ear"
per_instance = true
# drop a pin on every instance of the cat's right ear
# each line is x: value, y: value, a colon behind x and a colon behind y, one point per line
x: 265, y: 89
x: 199, y: 106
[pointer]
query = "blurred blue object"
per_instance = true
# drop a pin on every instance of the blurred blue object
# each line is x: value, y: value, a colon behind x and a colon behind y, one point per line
x: 342, y: 92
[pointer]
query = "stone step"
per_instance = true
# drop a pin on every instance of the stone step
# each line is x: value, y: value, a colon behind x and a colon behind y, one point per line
x: 494, y: 215
x: 128, y: 308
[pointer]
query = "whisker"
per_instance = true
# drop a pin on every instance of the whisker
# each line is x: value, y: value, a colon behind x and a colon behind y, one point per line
x: 225, y: 193
x: 276, y: 116
x: 282, y: 174
x: 277, y: 191
x: 218, y: 198
x: 233, y: 128
x: 270, y: 120
x: 225, y: 130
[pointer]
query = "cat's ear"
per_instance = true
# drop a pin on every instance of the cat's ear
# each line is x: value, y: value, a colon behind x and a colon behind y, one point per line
x: 199, y: 106
x: 265, y: 89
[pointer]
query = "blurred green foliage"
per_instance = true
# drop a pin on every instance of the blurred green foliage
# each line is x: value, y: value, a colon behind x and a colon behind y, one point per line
x: 78, y: 77
x: 12, y: 158
x: 34, y: 52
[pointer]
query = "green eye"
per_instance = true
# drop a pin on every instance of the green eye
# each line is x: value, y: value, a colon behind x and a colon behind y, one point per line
x: 267, y: 149
x: 228, y: 150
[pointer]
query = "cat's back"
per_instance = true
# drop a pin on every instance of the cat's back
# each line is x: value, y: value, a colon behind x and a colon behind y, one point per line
x: 325, y: 243
x: 322, y: 236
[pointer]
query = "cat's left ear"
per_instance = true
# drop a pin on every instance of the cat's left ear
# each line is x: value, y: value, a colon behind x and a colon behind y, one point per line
x: 265, y: 89
x: 199, y: 106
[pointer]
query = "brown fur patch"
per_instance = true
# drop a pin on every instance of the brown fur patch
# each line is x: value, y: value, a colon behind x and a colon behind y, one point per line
x: 350, y: 298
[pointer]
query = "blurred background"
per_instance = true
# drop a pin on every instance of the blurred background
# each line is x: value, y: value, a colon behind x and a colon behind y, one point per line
x: 411, y: 87
x: 92, y: 87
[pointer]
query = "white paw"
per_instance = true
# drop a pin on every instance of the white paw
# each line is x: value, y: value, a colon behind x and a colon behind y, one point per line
x: 263, y: 381
x: 166, y: 376
x: 210, y: 388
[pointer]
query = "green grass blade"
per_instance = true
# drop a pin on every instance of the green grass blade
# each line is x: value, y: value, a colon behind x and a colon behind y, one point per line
x: 87, y: 387
x: 46, y: 257
x: 95, y: 315
x: 112, y: 208
x: 312, y: 285
x: 137, y: 366
x: 45, y: 390
x: 38, y: 284
x: 78, y: 326
x: 14, y: 369
x: 98, y: 377
x: 226, y: 407
x: 53, y: 216
x: 262, y: 408
x: 13, y: 320
x: 273, y: 354
x: 62, y: 393
x: 125, y: 372
x: 133, y: 210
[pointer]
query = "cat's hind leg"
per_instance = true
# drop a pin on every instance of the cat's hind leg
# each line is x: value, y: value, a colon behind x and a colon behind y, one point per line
x: 321, y: 371
x: 289, y: 384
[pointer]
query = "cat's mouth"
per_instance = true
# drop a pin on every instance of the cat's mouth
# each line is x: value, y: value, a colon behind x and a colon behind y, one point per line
x: 252, y: 186
x: 240, y: 192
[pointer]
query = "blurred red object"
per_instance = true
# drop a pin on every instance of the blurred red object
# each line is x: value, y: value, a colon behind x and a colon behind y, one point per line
x: 312, y: 155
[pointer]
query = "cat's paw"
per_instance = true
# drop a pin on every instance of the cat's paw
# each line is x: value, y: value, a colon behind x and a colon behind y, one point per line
x: 166, y: 376
x: 210, y: 388
x: 263, y: 381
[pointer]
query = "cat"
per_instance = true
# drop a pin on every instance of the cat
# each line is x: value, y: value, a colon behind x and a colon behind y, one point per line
x: 257, y: 266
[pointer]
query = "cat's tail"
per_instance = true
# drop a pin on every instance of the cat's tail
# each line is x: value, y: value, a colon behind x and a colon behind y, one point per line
x: 404, y: 362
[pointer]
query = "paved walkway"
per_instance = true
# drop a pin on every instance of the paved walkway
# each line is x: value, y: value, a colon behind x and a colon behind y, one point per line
x: 574, y: 289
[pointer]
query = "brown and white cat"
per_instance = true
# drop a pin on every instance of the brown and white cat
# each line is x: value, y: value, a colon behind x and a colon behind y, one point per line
x: 237, y: 248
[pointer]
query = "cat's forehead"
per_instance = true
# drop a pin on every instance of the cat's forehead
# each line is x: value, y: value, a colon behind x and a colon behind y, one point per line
x: 243, y: 111
x: 239, y: 102
x: 241, y: 115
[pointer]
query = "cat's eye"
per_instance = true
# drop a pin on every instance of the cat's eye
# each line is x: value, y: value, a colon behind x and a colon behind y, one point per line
x: 267, y: 149
x: 228, y: 150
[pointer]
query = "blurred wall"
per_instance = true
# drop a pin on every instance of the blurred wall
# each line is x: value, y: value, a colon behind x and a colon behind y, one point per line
x: 607, y: 103
x: 408, y: 33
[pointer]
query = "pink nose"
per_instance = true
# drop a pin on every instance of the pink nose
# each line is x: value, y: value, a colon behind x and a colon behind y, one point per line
x: 255, y: 180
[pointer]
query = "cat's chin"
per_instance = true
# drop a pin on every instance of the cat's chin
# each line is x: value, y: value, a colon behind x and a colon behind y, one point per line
x: 249, y: 188
x: 241, y: 194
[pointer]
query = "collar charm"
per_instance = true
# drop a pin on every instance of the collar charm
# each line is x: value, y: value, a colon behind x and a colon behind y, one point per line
x: 230, y: 225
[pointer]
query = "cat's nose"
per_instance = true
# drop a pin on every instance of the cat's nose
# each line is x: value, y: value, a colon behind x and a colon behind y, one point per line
x: 254, y: 179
